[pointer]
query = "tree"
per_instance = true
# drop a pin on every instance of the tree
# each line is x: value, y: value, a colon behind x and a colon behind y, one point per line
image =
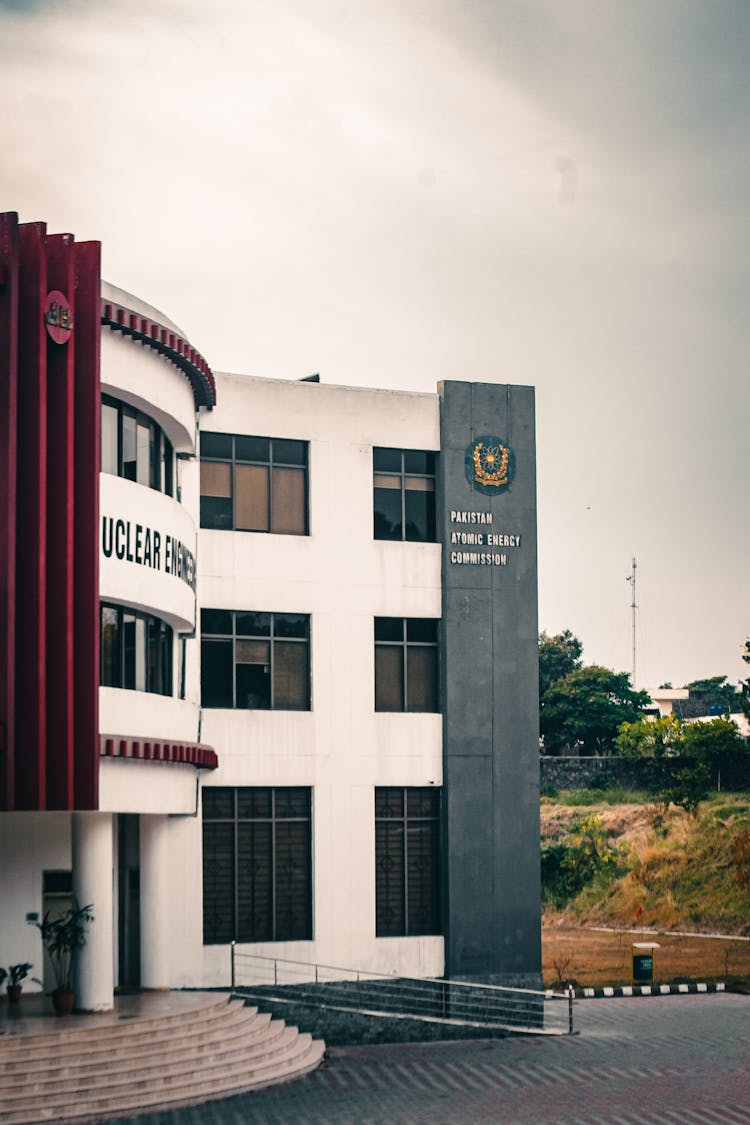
x: 583, y: 711
x: 709, y: 696
x: 558, y: 657
x: 745, y: 684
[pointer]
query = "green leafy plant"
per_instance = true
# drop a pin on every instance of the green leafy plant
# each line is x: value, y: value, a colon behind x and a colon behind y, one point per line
x: 17, y: 973
x: 62, y: 937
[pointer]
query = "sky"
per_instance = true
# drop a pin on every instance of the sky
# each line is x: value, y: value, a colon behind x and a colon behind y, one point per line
x: 396, y: 192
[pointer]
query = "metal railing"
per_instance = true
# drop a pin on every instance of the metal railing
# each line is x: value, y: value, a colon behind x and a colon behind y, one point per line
x: 460, y: 1003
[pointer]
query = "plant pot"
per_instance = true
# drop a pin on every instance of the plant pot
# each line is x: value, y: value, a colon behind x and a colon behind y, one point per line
x: 14, y: 993
x: 62, y: 1001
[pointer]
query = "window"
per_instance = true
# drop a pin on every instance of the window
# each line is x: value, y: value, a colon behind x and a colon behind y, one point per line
x: 407, y: 862
x: 257, y: 870
x: 134, y: 447
x: 406, y: 664
x: 258, y: 661
x: 404, y: 488
x: 253, y: 484
x: 135, y: 650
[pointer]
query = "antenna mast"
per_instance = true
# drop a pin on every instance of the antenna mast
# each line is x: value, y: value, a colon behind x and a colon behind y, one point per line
x: 633, y: 606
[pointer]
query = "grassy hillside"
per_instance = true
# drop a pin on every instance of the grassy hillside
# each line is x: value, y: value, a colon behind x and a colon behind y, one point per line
x: 607, y: 856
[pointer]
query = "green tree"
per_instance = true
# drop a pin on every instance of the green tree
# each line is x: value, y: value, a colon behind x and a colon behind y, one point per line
x: 583, y: 711
x: 558, y: 657
x: 709, y: 696
x: 745, y: 685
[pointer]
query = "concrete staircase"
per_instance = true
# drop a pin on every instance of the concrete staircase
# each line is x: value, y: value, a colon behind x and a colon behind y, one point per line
x: 93, y: 1073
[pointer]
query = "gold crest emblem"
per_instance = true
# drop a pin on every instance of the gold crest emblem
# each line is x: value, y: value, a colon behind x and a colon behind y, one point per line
x: 491, y: 460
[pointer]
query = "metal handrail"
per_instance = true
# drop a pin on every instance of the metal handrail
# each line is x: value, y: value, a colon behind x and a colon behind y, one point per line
x: 430, y: 998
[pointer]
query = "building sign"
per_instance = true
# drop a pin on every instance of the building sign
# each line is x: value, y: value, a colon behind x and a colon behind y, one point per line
x: 489, y: 465
x: 58, y: 317
x: 146, y: 546
x: 480, y: 542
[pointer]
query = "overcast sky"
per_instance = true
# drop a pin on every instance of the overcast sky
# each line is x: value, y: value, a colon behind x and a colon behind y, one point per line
x: 394, y: 192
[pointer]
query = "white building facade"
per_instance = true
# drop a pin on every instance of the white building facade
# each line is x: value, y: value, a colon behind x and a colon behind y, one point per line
x: 317, y: 687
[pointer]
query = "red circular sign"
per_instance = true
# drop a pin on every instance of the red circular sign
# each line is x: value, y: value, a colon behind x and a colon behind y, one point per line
x: 58, y: 317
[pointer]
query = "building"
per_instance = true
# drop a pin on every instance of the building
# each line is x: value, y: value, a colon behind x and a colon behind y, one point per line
x: 270, y: 653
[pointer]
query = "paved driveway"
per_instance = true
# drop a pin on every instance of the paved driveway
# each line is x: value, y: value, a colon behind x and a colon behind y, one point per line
x: 678, y: 1059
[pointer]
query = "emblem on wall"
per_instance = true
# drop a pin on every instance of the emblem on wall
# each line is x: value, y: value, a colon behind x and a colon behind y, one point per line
x: 489, y: 465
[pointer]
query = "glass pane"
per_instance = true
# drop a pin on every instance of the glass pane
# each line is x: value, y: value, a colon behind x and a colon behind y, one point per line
x: 422, y: 802
x: 253, y: 624
x: 290, y: 677
x: 217, y: 621
x: 155, y: 456
x: 253, y: 675
x: 287, y: 452
x: 154, y: 653
x: 421, y: 629
x: 288, y: 500
x: 109, y: 439
x: 251, y: 498
x: 216, y: 445
x: 143, y: 451
x: 386, y: 460
x: 420, y: 516
x: 389, y: 628
x: 254, y: 803
x: 110, y: 647
x: 140, y: 654
x: 218, y: 883
x: 387, y: 511
x: 167, y: 645
x: 129, y: 445
x: 252, y: 449
x: 218, y: 803
x: 389, y: 678
x: 293, y: 881
x: 216, y: 513
x: 382, y: 481
x: 128, y: 632
x: 422, y: 849
x: 390, y: 913
x: 292, y: 802
x: 216, y: 673
x: 216, y: 479
x: 290, y: 624
x: 419, y: 461
x: 254, y: 881
x: 420, y: 484
x: 421, y: 679
x: 168, y: 459
x: 389, y: 801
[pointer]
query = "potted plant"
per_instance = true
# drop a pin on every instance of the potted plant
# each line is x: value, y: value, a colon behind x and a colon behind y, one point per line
x: 61, y: 937
x: 15, y: 974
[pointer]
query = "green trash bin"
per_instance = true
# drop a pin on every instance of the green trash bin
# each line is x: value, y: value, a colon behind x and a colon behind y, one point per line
x: 643, y: 961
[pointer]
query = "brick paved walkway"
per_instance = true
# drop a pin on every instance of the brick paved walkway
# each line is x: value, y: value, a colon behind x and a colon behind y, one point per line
x: 676, y: 1059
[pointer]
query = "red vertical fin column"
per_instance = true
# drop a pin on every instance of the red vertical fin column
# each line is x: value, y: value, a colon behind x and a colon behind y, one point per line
x: 31, y: 520
x: 8, y: 411
x: 60, y: 484
x: 86, y: 524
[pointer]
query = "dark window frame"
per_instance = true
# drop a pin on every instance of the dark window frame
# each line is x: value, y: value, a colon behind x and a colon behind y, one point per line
x: 403, y: 475
x: 417, y: 911
x: 271, y: 463
x: 273, y: 638
x: 405, y: 643
x: 212, y: 934
x: 159, y: 675
x: 160, y: 450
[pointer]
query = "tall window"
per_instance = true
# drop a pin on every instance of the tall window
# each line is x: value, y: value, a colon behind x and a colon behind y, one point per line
x: 404, y: 494
x: 253, y: 484
x: 257, y: 871
x: 407, y: 862
x: 258, y: 661
x: 406, y: 664
x: 135, y: 650
x: 135, y: 447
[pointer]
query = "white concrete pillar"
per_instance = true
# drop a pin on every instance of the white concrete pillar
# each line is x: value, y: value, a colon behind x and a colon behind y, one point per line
x: 154, y: 878
x: 92, y: 883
